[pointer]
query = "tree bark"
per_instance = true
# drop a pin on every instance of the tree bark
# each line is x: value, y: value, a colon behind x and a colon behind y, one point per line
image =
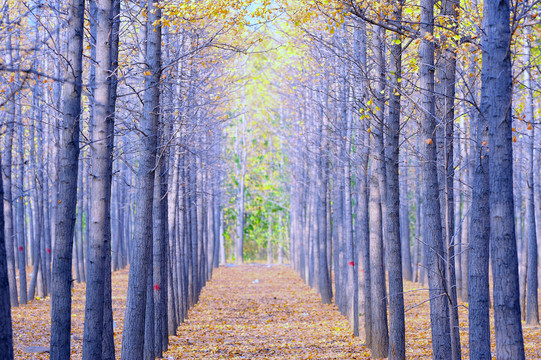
x: 67, y: 188
x: 133, y: 335
x: 446, y: 79
x: 6, y: 173
x: 496, y: 94
x: 6, y: 334
x: 432, y: 231
x: 397, y: 327
x: 101, y: 152
x: 21, y: 233
x: 532, y: 308
x: 379, y: 336
x: 478, y: 272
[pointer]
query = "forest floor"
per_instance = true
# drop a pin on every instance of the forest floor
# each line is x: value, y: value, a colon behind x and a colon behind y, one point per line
x: 253, y: 312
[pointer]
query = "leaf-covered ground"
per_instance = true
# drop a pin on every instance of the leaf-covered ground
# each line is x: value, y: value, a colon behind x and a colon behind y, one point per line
x: 254, y: 312
x: 32, y: 322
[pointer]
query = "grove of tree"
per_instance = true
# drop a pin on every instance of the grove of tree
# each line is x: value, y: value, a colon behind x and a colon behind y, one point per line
x: 363, y: 143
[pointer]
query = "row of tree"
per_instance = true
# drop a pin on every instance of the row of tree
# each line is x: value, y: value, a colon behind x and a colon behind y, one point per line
x: 403, y: 166
x: 112, y: 135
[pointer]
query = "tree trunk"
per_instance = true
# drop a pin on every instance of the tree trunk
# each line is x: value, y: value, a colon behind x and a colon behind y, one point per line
x: 407, y: 267
x: 478, y: 246
x: 6, y: 335
x: 496, y: 94
x: 6, y: 174
x: 379, y: 336
x: 322, y: 179
x: 67, y: 189
x: 446, y: 79
x: 133, y: 335
x: 21, y: 233
x: 397, y: 327
x: 432, y: 231
x: 349, y: 246
x: 532, y: 308
x: 101, y: 152
x: 239, y: 253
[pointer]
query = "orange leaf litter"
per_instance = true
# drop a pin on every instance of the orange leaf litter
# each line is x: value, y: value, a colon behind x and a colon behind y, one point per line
x: 237, y: 317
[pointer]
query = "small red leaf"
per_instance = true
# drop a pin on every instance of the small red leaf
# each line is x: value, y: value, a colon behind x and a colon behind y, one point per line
x: 351, y: 263
x: 156, y: 287
x: 21, y: 248
x: 48, y: 250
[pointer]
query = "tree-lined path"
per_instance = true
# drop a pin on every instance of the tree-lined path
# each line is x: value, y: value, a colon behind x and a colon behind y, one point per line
x: 373, y: 147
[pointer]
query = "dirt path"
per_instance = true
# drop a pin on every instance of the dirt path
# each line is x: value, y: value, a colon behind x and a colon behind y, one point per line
x: 260, y: 312
x: 253, y: 312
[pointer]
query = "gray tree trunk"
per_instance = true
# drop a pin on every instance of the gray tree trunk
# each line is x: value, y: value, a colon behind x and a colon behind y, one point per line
x: 407, y: 267
x: 239, y: 252
x: 67, y: 188
x: 496, y: 94
x: 172, y: 209
x: 446, y: 74
x: 478, y: 244
x: 6, y: 334
x: 133, y: 334
x: 397, y: 327
x: 159, y: 251
x: 325, y: 285
x: 361, y: 209
x: 379, y: 335
x: 532, y: 306
x: 108, y: 344
x: 349, y: 246
x: 101, y: 152
x: 432, y: 231
x: 21, y: 233
x: 6, y: 174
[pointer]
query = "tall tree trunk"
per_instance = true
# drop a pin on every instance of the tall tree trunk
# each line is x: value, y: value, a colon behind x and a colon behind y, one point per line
x: 478, y: 245
x: 6, y: 334
x: 349, y: 246
x: 101, y: 153
x: 6, y: 174
x: 81, y: 277
x: 446, y: 79
x: 322, y: 179
x: 379, y: 336
x: 173, y: 209
x: 363, y: 235
x: 532, y: 306
x: 407, y: 267
x: 239, y: 246
x: 67, y: 188
x: 133, y: 334
x: 21, y: 233
x: 397, y: 327
x: 108, y: 341
x: 159, y: 249
x: 432, y: 231
x: 496, y: 94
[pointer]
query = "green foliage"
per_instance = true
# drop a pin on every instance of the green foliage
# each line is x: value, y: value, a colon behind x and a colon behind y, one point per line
x: 251, y: 138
